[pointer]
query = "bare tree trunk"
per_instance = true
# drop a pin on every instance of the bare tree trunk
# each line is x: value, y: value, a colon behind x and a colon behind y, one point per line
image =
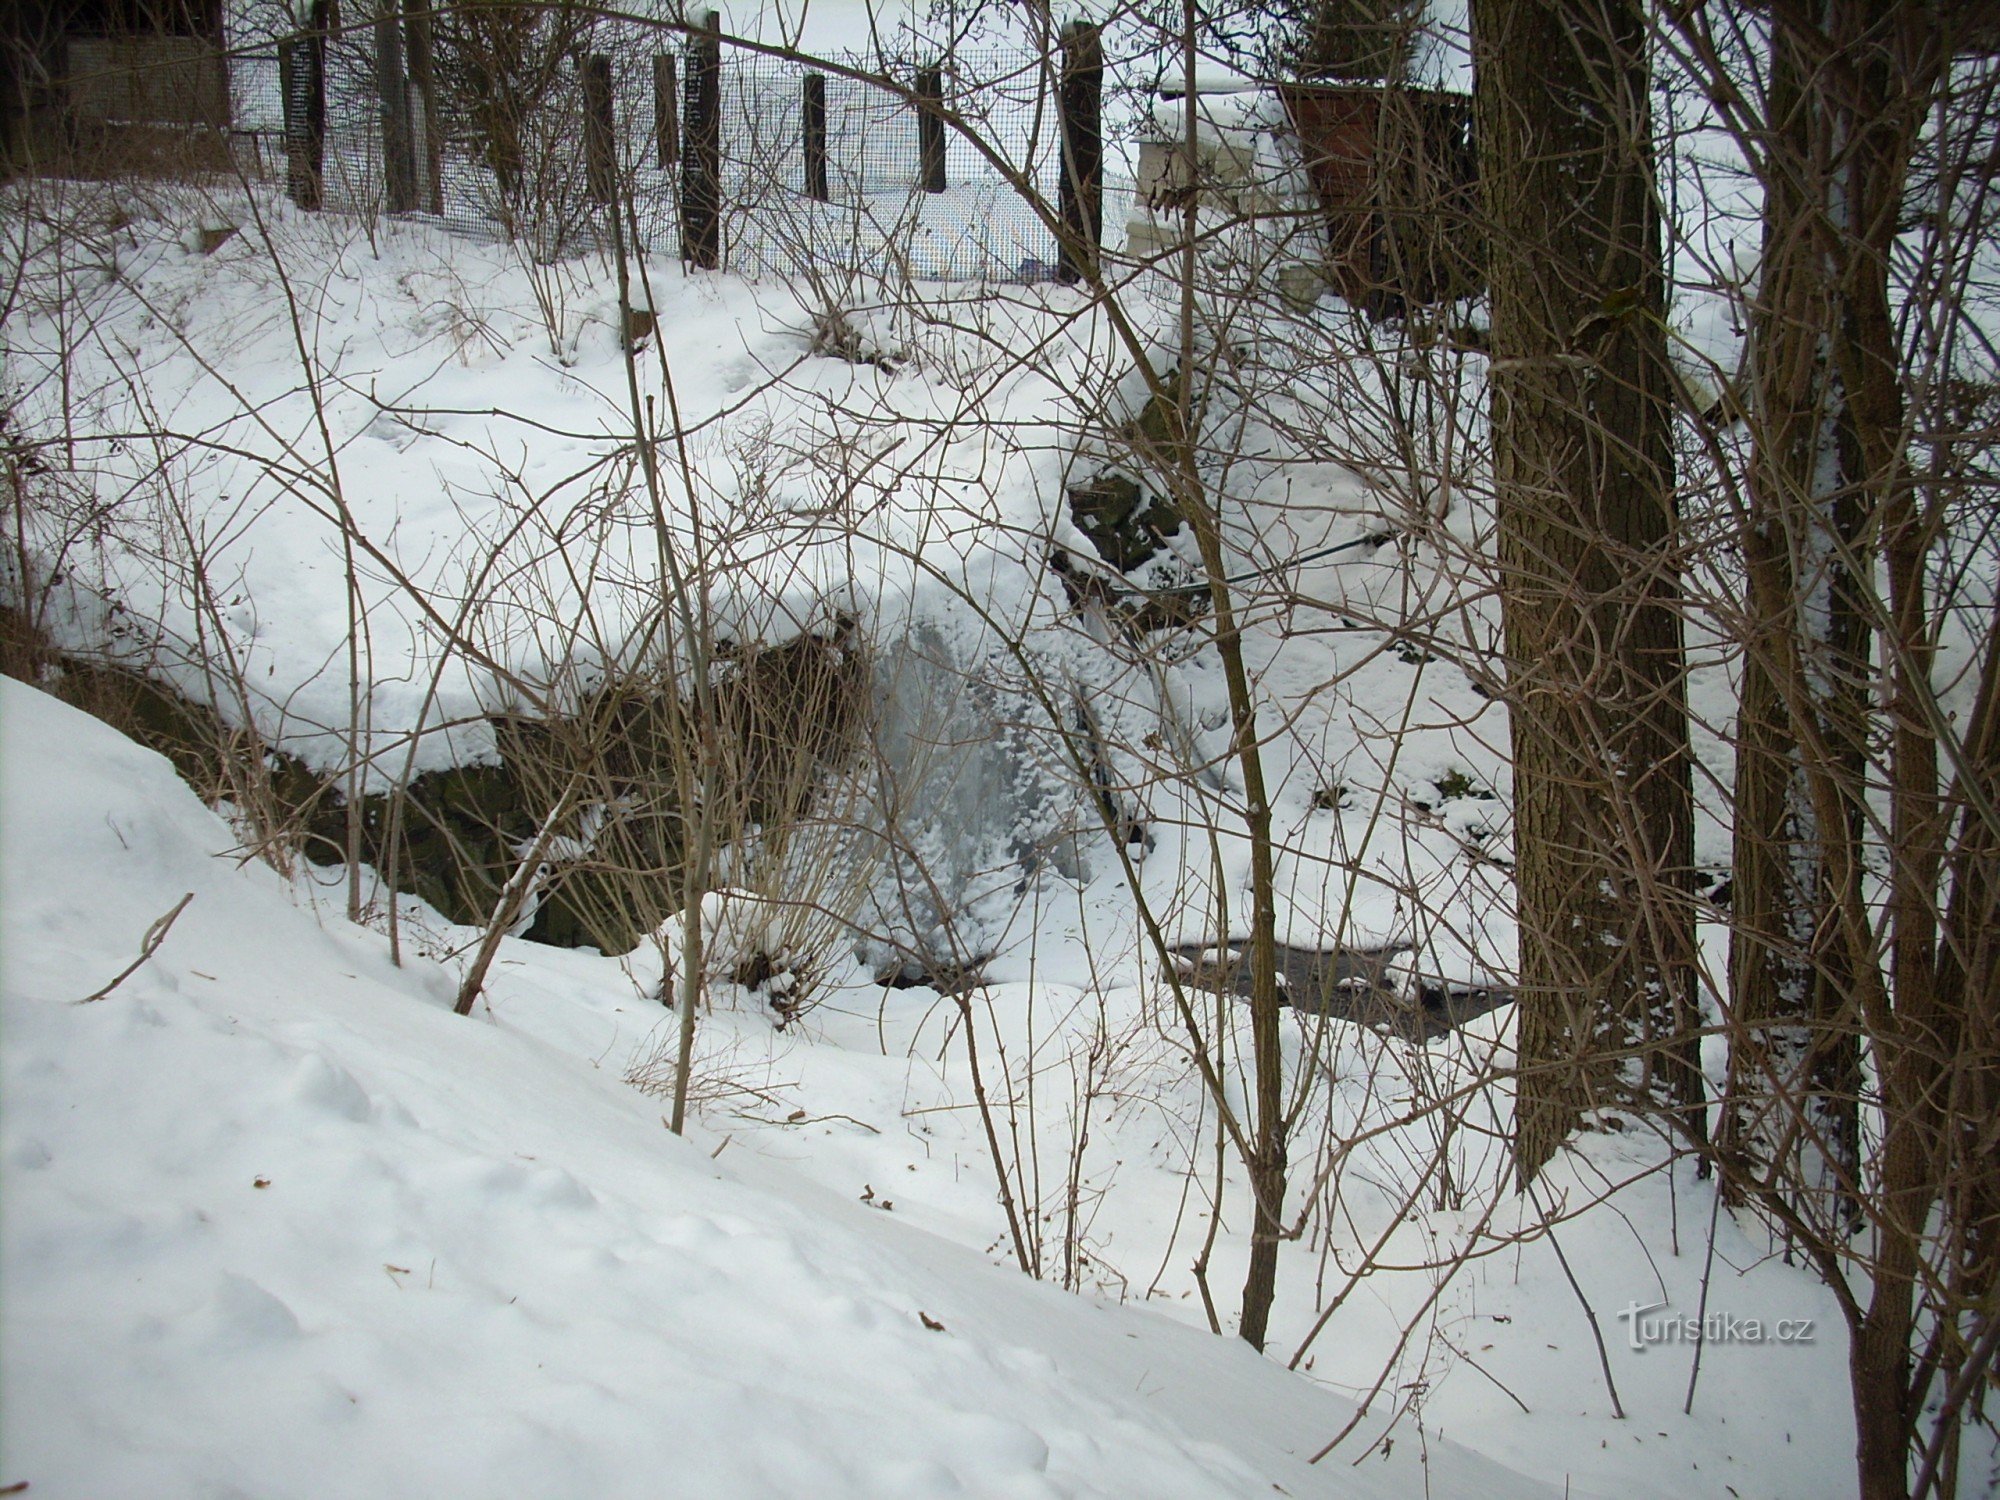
x: 1583, y: 470
x: 1801, y: 751
x: 1887, y: 62
x: 1832, y: 496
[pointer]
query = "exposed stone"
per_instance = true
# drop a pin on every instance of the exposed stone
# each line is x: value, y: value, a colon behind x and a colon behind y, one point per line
x: 1123, y: 524
x: 787, y: 714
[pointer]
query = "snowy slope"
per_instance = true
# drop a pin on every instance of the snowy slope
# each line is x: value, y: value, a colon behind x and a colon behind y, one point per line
x: 457, y: 1210
x: 504, y: 546
x: 277, y: 1224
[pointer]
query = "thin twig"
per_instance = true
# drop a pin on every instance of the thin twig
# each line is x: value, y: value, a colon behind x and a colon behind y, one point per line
x: 1596, y: 1333
x: 1701, y: 1313
x: 1977, y: 1363
x: 148, y: 946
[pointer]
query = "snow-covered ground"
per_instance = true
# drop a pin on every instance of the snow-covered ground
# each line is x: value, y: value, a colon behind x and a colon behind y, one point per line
x: 324, y: 433
x: 280, y: 1224
x: 276, y: 1222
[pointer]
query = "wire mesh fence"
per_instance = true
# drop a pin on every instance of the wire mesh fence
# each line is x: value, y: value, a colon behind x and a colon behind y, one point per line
x: 840, y: 167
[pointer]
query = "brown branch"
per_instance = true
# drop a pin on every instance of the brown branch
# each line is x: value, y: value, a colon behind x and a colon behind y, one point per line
x: 148, y: 946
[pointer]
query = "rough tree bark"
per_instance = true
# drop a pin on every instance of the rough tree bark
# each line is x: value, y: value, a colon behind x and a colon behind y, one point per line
x: 1877, y: 67
x: 1801, y: 732
x: 1584, y: 477
x: 1855, y: 934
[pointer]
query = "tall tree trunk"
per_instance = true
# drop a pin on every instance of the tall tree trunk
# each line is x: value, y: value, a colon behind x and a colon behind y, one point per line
x: 1833, y: 499
x: 1885, y: 63
x: 1801, y: 751
x: 1583, y: 470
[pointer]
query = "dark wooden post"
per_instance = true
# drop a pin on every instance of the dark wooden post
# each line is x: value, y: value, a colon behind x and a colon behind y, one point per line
x: 813, y: 117
x: 302, y: 84
x: 423, y: 78
x: 666, y: 110
x: 701, y: 150
x: 399, y: 166
x: 930, y: 129
x: 599, y: 140
x: 1082, y: 194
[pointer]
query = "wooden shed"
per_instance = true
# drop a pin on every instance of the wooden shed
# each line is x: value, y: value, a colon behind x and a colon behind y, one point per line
x: 79, y: 75
x: 1396, y: 175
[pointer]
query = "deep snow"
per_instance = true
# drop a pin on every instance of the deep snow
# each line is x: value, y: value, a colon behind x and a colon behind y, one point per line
x: 479, y: 1265
x: 277, y: 1223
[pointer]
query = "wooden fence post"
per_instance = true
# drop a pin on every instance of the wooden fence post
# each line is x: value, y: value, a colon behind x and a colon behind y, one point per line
x: 302, y: 87
x: 930, y: 129
x: 599, y: 130
x: 399, y: 167
x: 812, y: 116
x: 1082, y: 193
x: 701, y: 151
x: 428, y: 130
x: 666, y: 110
